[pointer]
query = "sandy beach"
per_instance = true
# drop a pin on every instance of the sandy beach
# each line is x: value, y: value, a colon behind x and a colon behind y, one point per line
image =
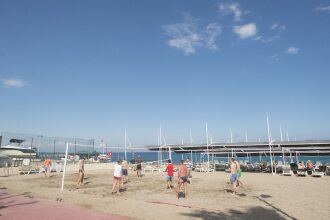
x: 264, y: 196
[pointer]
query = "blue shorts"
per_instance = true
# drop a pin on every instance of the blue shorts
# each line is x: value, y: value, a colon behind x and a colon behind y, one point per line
x: 169, y: 178
x: 233, y: 177
x: 124, y: 172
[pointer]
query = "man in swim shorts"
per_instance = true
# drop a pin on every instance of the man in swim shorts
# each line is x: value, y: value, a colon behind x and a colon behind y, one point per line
x: 233, y: 175
x: 81, y: 172
x: 47, y: 167
x: 182, y: 179
x: 138, y: 166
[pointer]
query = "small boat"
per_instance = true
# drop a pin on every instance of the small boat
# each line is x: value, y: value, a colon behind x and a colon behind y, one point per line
x: 15, y: 149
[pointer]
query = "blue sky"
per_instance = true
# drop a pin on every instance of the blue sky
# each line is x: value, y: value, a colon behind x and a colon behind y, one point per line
x: 90, y: 69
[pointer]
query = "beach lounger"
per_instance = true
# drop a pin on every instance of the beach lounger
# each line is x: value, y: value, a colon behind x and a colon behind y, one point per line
x: 203, y: 168
x: 319, y: 172
x: 150, y: 169
x: 302, y: 172
x: 26, y: 168
x: 198, y: 168
x: 286, y: 171
x: 207, y: 168
x: 279, y: 167
x: 327, y: 171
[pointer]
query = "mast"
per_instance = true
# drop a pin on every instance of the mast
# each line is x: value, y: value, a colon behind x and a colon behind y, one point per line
x: 160, y: 145
x: 191, y: 155
x: 125, y: 144
x: 270, y: 147
x: 207, y: 146
x: 191, y: 137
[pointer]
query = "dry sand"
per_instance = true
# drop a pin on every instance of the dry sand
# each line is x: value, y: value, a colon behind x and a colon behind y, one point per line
x: 264, y: 195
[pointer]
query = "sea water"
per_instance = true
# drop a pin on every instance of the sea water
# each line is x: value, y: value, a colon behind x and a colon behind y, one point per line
x: 152, y: 156
x: 200, y: 158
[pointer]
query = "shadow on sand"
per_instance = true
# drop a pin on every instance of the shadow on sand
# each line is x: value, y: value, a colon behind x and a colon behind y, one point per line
x: 252, y: 213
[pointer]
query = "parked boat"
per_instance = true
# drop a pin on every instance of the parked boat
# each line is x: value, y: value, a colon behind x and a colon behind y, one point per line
x: 16, y: 149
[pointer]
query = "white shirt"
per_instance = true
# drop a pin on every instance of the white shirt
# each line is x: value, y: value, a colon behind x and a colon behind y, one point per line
x: 117, y: 171
x: 188, y: 165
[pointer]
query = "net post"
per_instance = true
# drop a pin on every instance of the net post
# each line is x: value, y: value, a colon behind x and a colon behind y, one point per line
x: 66, y: 157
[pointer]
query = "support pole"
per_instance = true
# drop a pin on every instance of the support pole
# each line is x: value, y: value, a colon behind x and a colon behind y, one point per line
x: 297, y: 156
x: 283, y: 156
x: 66, y: 157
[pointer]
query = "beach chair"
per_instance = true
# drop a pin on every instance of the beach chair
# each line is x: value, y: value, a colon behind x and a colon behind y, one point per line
x: 279, y: 166
x: 198, y: 168
x: 318, y: 163
x: 319, y: 171
x: 26, y: 168
x: 149, y: 168
x: 206, y: 168
x: 302, y: 172
x: 286, y: 171
x: 327, y: 170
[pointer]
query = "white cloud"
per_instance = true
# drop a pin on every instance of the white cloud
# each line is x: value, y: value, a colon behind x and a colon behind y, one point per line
x: 323, y: 8
x: 276, y: 31
x: 232, y: 8
x: 277, y: 27
x: 245, y: 31
x: 13, y: 83
x: 211, y: 32
x: 187, y: 36
x: 292, y: 50
x: 275, y: 56
x: 264, y: 39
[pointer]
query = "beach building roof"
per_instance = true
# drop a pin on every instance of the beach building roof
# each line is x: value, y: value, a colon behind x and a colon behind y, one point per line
x: 308, y: 148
